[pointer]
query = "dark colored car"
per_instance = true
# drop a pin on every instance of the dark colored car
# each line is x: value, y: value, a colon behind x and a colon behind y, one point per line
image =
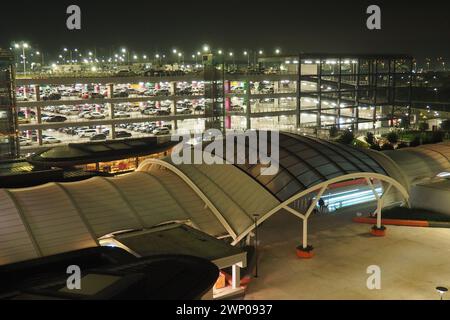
x: 56, y: 119
x: 161, y: 112
x: 95, y: 95
x: 98, y: 137
x: 199, y: 107
x: 123, y: 134
x: 52, y: 96
x: 121, y: 94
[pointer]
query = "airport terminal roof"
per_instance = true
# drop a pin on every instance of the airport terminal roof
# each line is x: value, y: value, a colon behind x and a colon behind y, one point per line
x: 98, y: 151
x: 306, y: 161
x: 222, y: 200
x: 423, y: 162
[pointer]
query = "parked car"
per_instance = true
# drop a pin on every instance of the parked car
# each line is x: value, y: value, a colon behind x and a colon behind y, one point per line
x: 54, y: 119
x: 88, y: 133
x: 161, y: 131
x: 123, y: 134
x: 94, y: 116
x: 98, y: 137
x: 96, y: 95
x: 120, y: 94
x: 162, y: 112
x: 184, y: 111
x: 237, y: 108
x: 125, y: 72
x: 162, y: 92
x: 51, y: 96
x: 149, y: 111
x: 83, y: 114
x: 70, y: 112
x: 24, y: 142
x: 199, y: 107
x: 50, y: 140
x: 121, y: 114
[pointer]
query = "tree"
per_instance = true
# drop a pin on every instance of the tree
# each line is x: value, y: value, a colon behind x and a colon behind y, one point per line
x: 333, y: 132
x: 445, y: 125
x: 370, y: 138
x: 392, y: 137
x: 387, y: 146
x: 437, y: 136
x: 415, y: 142
x: 424, y: 126
x: 347, y: 137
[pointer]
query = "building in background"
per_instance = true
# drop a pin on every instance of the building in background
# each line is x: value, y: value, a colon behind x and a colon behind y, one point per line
x: 9, y: 143
x: 302, y: 93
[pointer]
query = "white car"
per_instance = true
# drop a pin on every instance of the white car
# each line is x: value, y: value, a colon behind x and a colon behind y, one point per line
x: 50, y: 140
x: 184, y: 111
x: 21, y: 98
x: 70, y: 112
x: 24, y: 142
x: 121, y: 114
x: 94, y: 116
x: 161, y: 131
x: 87, y: 133
x: 83, y: 114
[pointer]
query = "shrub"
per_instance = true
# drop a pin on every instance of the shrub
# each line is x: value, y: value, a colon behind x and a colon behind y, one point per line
x: 347, y: 137
x: 392, y: 137
x: 387, y: 146
x: 424, y: 126
x: 445, y: 125
x: 375, y: 147
x: 415, y: 142
x: 360, y: 144
x: 370, y: 138
x: 437, y: 136
x: 333, y: 132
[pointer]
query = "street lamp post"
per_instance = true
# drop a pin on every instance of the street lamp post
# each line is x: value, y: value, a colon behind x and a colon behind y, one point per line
x: 128, y: 55
x: 248, y: 58
x: 24, y: 46
x: 41, y: 54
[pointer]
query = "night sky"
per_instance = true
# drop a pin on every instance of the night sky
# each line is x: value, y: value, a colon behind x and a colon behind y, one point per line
x: 420, y: 28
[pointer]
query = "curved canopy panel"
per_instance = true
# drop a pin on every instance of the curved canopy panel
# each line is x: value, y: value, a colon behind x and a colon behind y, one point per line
x: 305, y: 162
x: 423, y: 162
x: 236, y: 197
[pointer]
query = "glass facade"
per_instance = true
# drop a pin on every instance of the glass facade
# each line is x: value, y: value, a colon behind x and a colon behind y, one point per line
x: 348, y: 92
x: 306, y: 161
x: 8, y: 121
x: 304, y: 93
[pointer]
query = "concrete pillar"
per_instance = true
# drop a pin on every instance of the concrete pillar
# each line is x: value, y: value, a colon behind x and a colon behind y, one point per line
x: 236, y: 277
x: 173, y: 88
x: 227, y: 104
x: 248, y: 111
x: 276, y: 86
x: 110, y: 91
x: 276, y: 104
x: 37, y: 91
x: 112, y: 131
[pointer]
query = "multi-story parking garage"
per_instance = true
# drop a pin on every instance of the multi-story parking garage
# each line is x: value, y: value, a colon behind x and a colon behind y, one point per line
x: 303, y: 92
